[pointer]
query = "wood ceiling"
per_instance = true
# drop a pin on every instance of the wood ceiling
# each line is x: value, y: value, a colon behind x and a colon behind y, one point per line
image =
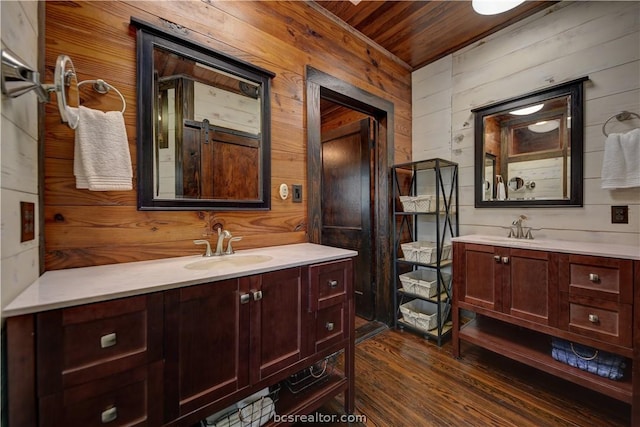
x: 420, y: 32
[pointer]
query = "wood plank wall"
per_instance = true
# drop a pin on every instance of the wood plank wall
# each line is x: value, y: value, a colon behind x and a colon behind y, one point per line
x: 566, y: 41
x: 84, y: 228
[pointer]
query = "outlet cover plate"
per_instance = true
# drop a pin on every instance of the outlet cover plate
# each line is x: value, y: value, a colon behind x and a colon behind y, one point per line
x: 619, y: 214
x: 27, y: 221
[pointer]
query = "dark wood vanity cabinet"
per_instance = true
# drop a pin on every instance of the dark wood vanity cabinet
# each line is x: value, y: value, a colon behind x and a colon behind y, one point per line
x: 177, y: 356
x: 100, y: 363
x: 514, y: 301
x: 519, y: 283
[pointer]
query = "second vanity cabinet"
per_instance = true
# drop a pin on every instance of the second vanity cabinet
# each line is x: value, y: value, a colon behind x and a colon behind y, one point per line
x: 514, y: 299
x: 517, y: 282
x: 176, y: 356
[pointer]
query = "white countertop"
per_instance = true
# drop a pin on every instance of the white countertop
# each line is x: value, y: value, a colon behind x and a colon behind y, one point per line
x: 565, y: 246
x: 75, y: 286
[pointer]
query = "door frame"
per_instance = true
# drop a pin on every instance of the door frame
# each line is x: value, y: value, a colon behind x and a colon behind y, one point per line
x: 320, y: 85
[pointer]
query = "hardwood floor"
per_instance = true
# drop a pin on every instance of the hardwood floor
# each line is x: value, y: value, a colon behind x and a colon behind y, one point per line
x: 404, y: 380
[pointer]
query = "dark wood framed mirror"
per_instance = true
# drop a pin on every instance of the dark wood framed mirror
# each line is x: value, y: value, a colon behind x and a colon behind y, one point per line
x: 529, y: 149
x: 203, y: 126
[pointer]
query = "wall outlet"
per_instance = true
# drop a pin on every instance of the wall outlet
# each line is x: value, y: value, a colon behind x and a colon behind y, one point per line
x: 619, y: 214
x: 297, y: 193
x: 27, y: 221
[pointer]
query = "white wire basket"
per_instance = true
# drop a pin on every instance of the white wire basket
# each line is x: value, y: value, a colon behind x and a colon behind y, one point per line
x: 254, y: 411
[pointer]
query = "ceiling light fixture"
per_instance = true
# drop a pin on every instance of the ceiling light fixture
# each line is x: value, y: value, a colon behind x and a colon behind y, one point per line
x: 493, y: 7
x: 527, y: 110
x: 544, y: 126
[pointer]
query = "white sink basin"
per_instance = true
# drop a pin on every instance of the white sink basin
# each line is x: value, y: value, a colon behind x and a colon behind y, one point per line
x: 227, y: 260
x: 509, y: 240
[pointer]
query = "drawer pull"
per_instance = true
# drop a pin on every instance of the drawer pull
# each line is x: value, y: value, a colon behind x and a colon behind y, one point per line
x: 594, y: 278
x: 329, y: 326
x: 593, y: 318
x: 108, y: 340
x: 257, y: 295
x: 497, y: 258
x: 109, y: 415
x: 245, y: 298
x: 505, y: 260
x: 333, y: 283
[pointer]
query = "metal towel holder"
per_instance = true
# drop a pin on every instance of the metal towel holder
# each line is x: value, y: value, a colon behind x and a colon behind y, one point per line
x: 621, y: 117
x: 18, y: 79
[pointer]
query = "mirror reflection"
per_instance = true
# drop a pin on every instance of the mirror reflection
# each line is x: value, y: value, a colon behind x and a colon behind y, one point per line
x: 207, y: 131
x: 531, y: 149
x: 203, y: 126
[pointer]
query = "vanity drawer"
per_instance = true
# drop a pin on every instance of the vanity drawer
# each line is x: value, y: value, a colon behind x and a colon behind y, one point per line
x: 606, y: 278
x: 81, y: 344
x: 126, y: 399
x: 609, y: 323
x: 330, y: 324
x: 328, y: 283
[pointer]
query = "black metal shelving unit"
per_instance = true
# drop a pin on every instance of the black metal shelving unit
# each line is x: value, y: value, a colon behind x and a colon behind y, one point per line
x: 437, y: 178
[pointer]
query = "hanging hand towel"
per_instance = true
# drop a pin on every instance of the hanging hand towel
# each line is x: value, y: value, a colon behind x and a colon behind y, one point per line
x: 101, y: 154
x: 621, y: 163
x: 501, y: 192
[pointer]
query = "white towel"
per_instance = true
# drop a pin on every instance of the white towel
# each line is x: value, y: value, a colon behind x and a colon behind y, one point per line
x: 501, y: 193
x: 621, y: 163
x: 101, y: 154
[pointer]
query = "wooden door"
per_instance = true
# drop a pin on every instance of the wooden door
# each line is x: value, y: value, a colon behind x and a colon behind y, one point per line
x: 206, y: 345
x: 279, y: 320
x: 531, y: 286
x: 347, y: 204
x: 481, y: 276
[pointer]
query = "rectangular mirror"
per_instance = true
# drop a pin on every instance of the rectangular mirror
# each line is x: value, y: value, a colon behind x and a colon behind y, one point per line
x: 529, y: 149
x: 203, y: 127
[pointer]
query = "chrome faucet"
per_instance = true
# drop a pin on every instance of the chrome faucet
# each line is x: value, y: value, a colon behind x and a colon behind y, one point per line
x: 519, y: 231
x: 222, y: 234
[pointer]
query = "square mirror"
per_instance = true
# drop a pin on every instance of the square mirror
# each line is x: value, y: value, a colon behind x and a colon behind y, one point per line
x: 529, y: 149
x: 203, y: 127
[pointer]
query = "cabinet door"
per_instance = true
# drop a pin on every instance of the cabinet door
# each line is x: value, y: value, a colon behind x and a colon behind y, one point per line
x: 279, y: 320
x: 481, y: 276
x: 206, y: 345
x: 531, y: 286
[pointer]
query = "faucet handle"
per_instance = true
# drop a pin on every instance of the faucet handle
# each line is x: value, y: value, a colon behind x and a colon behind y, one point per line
x: 529, y: 235
x: 204, y: 242
x: 229, y: 250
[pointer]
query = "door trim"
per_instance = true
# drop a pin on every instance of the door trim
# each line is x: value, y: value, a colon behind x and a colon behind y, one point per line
x: 322, y: 85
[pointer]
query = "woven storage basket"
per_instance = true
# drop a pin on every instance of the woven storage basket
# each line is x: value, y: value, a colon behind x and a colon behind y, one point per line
x: 588, y: 359
x: 423, y: 282
x: 423, y: 203
x: 423, y: 314
x: 408, y: 203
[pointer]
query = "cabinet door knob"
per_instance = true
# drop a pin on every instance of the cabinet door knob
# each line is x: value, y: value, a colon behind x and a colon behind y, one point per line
x: 594, y: 277
x: 108, y: 340
x: 333, y: 283
x: 257, y: 295
x: 109, y: 415
x: 497, y: 258
x: 245, y: 298
x: 593, y: 318
x: 329, y: 326
x: 505, y: 260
